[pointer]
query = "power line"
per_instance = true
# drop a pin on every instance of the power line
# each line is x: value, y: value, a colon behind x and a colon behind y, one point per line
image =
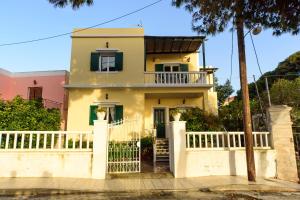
x: 255, y: 54
x: 68, y: 33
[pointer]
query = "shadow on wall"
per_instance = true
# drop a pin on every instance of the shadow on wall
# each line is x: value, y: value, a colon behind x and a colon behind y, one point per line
x: 232, y: 163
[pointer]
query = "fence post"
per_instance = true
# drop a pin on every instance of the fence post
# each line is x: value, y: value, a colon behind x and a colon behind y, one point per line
x: 177, y: 141
x: 99, y: 149
x: 280, y: 126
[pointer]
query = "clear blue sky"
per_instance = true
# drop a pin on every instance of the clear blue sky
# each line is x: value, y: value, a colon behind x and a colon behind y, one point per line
x: 30, y: 19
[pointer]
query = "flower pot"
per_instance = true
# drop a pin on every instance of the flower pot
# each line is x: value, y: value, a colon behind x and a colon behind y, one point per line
x: 100, y: 115
x: 177, y: 116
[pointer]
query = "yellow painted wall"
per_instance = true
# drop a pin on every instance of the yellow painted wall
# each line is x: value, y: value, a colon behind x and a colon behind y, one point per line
x: 131, y: 43
x: 133, y: 100
x: 133, y: 56
x: 81, y: 99
x: 153, y: 59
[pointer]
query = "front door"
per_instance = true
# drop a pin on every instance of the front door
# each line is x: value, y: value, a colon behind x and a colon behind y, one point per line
x: 159, y: 122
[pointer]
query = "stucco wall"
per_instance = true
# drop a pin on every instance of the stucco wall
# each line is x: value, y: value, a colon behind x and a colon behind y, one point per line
x: 18, y: 83
x: 153, y: 59
x: 133, y: 56
x: 46, y: 164
x: 134, y: 101
x: 81, y: 99
x: 6, y: 84
x: 225, y: 162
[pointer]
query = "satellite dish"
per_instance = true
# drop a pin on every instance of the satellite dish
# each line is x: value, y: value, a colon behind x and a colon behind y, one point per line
x: 256, y: 30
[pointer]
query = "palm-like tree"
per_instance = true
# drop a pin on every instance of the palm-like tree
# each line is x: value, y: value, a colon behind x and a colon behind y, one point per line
x: 74, y: 3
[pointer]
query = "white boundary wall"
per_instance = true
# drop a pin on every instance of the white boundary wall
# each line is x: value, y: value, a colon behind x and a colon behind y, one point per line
x: 54, y: 153
x: 228, y: 162
x: 46, y: 164
x: 214, y: 160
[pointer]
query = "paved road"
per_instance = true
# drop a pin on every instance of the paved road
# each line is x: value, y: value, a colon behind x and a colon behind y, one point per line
x: 166, y: 195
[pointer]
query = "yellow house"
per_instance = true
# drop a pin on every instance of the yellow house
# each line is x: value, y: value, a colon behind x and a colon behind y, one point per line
x: 132, y: 75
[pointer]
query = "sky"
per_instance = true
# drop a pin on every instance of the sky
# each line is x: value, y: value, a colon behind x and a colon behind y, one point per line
x: 31, y: 19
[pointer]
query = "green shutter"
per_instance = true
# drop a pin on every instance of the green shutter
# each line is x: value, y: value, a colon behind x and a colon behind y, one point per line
x: 184, y: 67
x: 119, y: 61
x: 118, y: 112
x: 93, y: 114
x: 94, y: 61
x: 159, y: 67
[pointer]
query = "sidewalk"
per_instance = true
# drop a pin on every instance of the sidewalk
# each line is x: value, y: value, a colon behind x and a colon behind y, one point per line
x: 211, y: 183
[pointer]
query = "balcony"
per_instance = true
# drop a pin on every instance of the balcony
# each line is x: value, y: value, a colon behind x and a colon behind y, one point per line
x: 177, y: 79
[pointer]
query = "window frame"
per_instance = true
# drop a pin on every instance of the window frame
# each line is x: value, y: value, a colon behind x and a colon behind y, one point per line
x: 171, y: 65
x: 109, y: 55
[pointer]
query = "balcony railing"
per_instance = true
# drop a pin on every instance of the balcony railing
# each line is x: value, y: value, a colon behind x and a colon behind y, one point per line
x: 176, y: 78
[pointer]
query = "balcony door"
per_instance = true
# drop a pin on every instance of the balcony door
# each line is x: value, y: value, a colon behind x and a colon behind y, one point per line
x: 171, y: 68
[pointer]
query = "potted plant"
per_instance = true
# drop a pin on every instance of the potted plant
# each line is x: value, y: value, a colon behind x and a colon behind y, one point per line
x: 175, y: 113
x: 101, y: 113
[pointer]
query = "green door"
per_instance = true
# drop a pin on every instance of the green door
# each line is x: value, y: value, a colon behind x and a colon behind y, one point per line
x: 159, y: 122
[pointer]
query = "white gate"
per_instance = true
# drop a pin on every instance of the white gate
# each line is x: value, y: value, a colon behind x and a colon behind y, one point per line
x: 124, y: 153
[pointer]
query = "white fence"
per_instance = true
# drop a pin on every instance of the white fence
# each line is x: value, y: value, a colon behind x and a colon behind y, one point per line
x: 46, y: 140
x: 225, y: 140
x: 175, y: 78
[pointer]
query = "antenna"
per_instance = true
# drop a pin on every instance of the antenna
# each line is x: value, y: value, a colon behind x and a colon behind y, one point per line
x: 140, y: 24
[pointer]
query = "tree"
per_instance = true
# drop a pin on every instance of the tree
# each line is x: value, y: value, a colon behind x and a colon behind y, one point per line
x: 288, y: 92
x: 223, y: 91
x: 212, y: 17
x: 23, y: 115
x: 74, y: 3
x: 285, y: 69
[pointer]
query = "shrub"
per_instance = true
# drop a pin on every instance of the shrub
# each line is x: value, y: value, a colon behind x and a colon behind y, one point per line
x: 28, y: 115
x: 199, y: 120
x: 147, y: 148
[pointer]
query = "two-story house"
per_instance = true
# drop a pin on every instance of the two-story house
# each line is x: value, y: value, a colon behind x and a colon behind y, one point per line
x: 133, y: 75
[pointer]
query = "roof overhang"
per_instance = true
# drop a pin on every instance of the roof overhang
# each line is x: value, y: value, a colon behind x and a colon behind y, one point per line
x: 172, y: 44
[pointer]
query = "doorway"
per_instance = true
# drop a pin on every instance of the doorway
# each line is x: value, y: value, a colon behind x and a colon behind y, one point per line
x: 159, y: 122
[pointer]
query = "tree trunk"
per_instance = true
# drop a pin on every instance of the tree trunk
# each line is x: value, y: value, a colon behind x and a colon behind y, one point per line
x: 246, y: 102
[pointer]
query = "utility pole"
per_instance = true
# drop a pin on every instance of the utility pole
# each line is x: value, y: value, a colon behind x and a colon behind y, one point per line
x: 245, y: 93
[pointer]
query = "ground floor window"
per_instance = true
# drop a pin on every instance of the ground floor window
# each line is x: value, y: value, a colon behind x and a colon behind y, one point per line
x: 114, y: 113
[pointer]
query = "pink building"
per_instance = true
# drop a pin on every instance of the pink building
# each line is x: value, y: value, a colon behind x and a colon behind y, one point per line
x: 45, y: 85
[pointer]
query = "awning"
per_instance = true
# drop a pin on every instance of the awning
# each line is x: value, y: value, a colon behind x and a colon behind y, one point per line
x: 173, y: 44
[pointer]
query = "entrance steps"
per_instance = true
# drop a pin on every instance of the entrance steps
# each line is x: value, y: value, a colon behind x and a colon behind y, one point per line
x: 162, y: 159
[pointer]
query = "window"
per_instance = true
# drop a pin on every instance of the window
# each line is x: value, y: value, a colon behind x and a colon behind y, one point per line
x: 107, y: 63
x: 35, y: 93
x: 114, y: 113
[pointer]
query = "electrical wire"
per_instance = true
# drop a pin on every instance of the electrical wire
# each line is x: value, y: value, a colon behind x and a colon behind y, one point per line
x: 255, y: 54
x: 93, y: 26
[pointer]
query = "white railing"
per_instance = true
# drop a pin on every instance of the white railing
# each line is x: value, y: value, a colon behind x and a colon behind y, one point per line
x: 225, y: 140
x: 176, y: 78
x: 46, y: 140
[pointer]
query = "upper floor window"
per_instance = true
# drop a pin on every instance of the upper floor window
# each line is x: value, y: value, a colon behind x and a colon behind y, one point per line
x: 106, y: 62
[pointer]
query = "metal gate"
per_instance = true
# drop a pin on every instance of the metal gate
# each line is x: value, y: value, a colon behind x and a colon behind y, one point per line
x: 124, y: 152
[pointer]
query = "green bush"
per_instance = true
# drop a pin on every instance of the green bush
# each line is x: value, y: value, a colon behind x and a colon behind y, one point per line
x: 28, y: 115
x: 147, y: 148
x: 199, y: 120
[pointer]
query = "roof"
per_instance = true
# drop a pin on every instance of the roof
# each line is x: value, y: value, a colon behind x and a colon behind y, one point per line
x: 173, y: 44
x: 33, y: 73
